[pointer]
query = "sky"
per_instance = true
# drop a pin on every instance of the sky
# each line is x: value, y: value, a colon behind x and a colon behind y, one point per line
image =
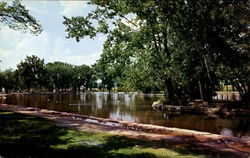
x: 52, y: 44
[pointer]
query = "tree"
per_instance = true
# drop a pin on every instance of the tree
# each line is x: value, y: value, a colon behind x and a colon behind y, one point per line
x: 61, y: 75
x: 221, y: 31
x: 17, y: 17
x: 104, y: 74
x: 32, y: 71
x: 150, y: 32
x: 8, y: 80
x: 82, y: 76
x: 123, y: 59
x: 187, y: 43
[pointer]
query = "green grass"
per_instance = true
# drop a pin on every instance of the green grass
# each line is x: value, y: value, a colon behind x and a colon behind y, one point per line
x: 26, y: 136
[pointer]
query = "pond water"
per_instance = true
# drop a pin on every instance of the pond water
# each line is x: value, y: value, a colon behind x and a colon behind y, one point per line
x: 136, y: 108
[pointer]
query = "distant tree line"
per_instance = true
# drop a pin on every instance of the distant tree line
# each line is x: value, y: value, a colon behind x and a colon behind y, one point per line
x: 33, y: 74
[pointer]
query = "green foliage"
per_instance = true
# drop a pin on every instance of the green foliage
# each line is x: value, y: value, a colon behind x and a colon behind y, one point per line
x: 78, y: 27
x: 105, y: 74
x: 33, y: 74
x: 17, y: 17
x: 7, y: 78
x: 32, y: 71
x: 82, y: 76
x: 181, y: 47
x: 60, y: 74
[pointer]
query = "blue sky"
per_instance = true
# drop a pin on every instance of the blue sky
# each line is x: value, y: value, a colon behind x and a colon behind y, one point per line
x: 51, y: 44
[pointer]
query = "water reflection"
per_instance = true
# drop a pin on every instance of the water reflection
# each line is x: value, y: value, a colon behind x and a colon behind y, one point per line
x: 136, y: 108
x: 227, y: 96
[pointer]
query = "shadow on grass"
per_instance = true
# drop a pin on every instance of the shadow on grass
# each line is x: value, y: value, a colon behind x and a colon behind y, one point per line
x: 26, y: 136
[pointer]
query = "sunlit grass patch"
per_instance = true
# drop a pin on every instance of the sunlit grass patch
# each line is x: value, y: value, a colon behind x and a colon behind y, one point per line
x: 6, y: 112
x: 74, y: 138
x: 160, y: 152
x: 30, y: 136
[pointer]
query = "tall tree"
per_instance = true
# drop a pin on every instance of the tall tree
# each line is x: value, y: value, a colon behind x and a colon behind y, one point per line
x: 185, y: 42
x: 8, y: 80
x: 32, y: 70
x: 82, y: 77
x: 105, y: 74
x: 60, y: 74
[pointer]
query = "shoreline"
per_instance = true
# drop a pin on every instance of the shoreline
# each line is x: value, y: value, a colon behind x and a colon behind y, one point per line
x: 206, y: 141
x: 204, y: 110
x: 139, y: 93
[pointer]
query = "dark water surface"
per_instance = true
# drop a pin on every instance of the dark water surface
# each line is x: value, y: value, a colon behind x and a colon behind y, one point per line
x: 136, y: 108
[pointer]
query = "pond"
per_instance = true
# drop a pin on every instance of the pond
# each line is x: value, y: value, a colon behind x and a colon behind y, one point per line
x: 135, y: 108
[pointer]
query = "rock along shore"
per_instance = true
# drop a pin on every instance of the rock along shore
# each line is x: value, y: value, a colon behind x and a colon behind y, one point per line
x: 202, y: 110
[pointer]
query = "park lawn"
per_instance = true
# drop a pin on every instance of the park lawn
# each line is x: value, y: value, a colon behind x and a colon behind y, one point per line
x: 29, y: 136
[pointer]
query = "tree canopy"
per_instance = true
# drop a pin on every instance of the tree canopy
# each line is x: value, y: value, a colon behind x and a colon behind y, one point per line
x: 185, y: 48
x: 32, y: 71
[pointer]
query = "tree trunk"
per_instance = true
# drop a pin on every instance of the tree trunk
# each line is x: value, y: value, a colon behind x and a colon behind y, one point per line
x: 206, y: 92
x: 169, y: 92
x: 201, y: 91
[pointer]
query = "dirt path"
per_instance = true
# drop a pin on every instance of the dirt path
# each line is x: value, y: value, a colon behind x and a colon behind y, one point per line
x: 173, y: 137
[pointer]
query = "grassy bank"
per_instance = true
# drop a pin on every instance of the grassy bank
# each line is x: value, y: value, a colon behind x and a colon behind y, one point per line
x: 29, y: 136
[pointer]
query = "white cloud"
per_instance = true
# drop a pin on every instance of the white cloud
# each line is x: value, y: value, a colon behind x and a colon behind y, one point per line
x: 61, y: 47
x: 88, y: 59
x: 40, y: 7
x: 17, y: 45
x: 62, y: 52
x: 51, y: 44
x: 73, y: 8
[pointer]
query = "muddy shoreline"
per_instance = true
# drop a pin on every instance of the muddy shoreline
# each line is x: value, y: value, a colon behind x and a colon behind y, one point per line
x: 212, y: 143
